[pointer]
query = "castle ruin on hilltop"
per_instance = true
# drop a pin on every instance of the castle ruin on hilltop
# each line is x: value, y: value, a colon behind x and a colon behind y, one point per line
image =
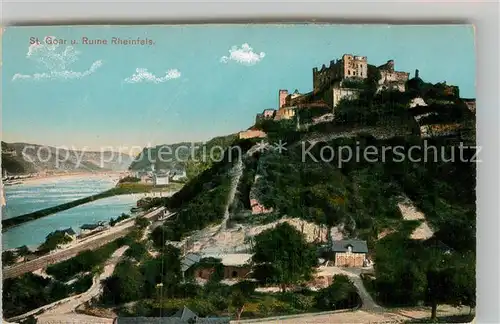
x: 336, y: 82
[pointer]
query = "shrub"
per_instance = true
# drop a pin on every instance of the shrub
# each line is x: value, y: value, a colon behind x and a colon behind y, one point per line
x: 339, y: 295
x: 202, y: 307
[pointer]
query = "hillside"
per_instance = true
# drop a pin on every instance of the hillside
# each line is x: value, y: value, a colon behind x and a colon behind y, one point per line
x: 359, y: 197
x: 21, y: 158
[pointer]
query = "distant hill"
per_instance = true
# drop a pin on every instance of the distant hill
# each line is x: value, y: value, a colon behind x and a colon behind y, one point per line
x: 194, y: 157
x: 21, y: 158
x: 163, y: 156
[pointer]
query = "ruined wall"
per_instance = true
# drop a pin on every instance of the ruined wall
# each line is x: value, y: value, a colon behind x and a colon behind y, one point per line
x: 324, y: 77
x: 391, y: 79
x: 343, y: 93
x: 268, y: 113
x: 350, y: 66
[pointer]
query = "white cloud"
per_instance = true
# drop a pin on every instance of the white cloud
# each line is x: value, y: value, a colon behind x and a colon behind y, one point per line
x: 243, y: 55
x: 143, y: 75
x: 56, y: 61
x: 58, y: 75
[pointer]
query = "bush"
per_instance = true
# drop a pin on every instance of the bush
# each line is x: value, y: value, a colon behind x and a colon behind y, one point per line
x: 299, y: 301
x: 8, y: 258
x: 129, y: 179
x: 202, y: 307
x: 136, y: 251
x: 82, y: 284
x: 142, y: 222
x: 340, y: 294
x: 219, y: 302
x: 83, y: 262
x: 123, y: 216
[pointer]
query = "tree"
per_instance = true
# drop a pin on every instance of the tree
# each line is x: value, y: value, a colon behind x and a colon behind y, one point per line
x: 136, y: 251
x: 124, y: 285
x: 286, y: 255
x: 340, y: 294
x: 238, y: 301
x: 53, y: 240
x: 242, y: 291
x: 23, y: 251
x: 165, y: 270
x: 451, y: 280
x: 141, y: 222
x: 8, y: 258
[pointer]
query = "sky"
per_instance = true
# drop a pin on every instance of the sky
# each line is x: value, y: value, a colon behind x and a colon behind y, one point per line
x: 191, y: 83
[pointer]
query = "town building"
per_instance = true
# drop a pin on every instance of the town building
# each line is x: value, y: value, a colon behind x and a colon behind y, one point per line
x: 348, y: 253
x: 236, y: 265
x: 92, y: 228
x: 160, y: 178
x: 188, y: 261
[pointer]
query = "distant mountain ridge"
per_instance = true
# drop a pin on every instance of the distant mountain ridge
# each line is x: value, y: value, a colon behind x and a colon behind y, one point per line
x: 24, y: 158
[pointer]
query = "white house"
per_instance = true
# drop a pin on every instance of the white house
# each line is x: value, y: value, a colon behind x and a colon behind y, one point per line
x: 160, y: 179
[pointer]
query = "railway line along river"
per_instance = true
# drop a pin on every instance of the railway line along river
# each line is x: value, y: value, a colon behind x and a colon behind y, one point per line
x: 31, y: 196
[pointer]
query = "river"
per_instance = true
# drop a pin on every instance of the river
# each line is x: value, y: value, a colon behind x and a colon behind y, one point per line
x: 36, y: 195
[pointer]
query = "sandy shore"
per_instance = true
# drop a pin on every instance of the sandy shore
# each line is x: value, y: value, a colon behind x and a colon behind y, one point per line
x: 112, y: 175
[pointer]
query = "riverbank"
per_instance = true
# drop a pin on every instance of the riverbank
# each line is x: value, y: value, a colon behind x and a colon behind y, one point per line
x: 42, y: 178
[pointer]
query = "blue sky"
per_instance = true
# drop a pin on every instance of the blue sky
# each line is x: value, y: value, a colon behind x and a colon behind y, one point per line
x: 187, y: 86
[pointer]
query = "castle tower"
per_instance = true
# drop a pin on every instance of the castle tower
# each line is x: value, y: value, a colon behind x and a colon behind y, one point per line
x: 282, y: 98
x: 355, y: 66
